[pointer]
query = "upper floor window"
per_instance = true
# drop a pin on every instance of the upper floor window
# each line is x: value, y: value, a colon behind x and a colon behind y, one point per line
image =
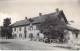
x: 34, y: 27
x: 30, y: 28
x: 14, y: 29
x: 19, y: 28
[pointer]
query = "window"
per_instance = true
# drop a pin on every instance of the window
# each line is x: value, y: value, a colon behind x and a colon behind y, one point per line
x: 34, y: 27
x: 20, y: 35
x: 14, y: 29
x: 19, y: 28
x: 30, y: 28
x: 14, y: 35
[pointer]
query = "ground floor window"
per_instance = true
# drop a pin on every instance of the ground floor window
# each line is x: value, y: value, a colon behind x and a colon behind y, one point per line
x: 31, y: 36
x: 14, y: 35
x: 20, y: 35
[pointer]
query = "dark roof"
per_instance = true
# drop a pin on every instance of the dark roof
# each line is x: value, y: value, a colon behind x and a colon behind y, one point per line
x: 21, y: 22
x: 26, y: 22
x: 42, y: 18
x: 72, y: 28
x: 37, y: 19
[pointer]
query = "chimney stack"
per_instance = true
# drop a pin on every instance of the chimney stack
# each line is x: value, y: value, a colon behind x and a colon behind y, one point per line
x: 26, y: 18
x: 57, y: 10
x: 40, y: 14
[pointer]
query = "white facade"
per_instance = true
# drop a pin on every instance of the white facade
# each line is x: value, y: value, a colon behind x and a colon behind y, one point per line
x: 71, y: 37
x: 19, y: 32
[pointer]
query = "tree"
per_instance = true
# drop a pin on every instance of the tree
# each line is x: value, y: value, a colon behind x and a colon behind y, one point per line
x: 7, y: 22
x: 53, y: 27
x: 6, y: 29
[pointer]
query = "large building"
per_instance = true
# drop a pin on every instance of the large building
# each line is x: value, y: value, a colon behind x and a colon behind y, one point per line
x: 23, y: 28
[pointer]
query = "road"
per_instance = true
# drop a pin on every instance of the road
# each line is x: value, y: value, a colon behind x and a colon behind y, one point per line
x: 26, y: 45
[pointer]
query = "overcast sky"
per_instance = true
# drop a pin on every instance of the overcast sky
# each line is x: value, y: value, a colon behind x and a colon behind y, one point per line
x: 18, y: 9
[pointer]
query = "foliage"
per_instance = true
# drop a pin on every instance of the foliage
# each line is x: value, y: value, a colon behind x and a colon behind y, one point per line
x: 6, y: 30
x: 7, y: 22
x: 53, y: 27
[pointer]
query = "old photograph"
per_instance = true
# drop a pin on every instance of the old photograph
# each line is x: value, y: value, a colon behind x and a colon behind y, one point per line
x: 40, y: 25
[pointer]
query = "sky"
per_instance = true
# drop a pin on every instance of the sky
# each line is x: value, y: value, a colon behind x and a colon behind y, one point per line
x: 19, y: 9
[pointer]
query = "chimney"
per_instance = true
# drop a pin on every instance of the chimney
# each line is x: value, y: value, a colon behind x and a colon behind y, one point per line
x: 40, y: 14
x: 57, y: 10
x: 26, y: 18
